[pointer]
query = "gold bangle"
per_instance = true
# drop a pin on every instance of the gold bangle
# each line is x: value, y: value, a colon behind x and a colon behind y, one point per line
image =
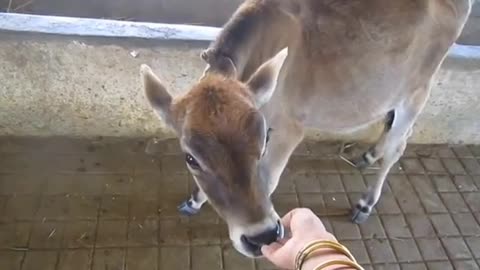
x: 310, y: 249
x: 326, y: 264
x: 333, y: 245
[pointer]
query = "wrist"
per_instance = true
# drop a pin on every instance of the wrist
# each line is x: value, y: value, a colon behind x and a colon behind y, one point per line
x: 325, y: 256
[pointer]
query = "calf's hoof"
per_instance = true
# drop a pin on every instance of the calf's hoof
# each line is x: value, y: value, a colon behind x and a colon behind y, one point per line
x: 187, y: 209
x: 361, y: 162
x: 360, y: 214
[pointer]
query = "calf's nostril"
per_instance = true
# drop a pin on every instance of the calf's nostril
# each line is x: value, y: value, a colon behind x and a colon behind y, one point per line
x: 266, y: 237
x: 280, y: 231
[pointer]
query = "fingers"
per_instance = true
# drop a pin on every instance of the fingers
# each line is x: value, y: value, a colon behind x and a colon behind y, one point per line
x: 269, y: 250
x: 280, y: 254
x: 287, y: 219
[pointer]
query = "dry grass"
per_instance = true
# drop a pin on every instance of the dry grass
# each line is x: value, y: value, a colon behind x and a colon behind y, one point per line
x: 9, y: 5
x: 26, y: 4
x: 12, y: 8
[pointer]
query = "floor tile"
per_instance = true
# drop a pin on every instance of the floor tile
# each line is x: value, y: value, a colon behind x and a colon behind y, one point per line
x: 79, y: 234
x: 109, y: 258
x: 432, y: 249
x: 456, y: 248
x: 233, y: 260
x: 112, y: 233
x: 406, y: 250
x: 11, y: 259
x: 396, y: 226
x: 21, y: 207
x: 142, y: 258
x: 174, y: 257
x: 380, y: 251
x: 75, y: 259
x: 206, y: 257
x: 45, y: 260
x: 46, y: 235
x: 14, y: 234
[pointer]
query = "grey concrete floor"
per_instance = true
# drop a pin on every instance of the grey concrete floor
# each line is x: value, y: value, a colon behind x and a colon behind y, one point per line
x: 106, y: 204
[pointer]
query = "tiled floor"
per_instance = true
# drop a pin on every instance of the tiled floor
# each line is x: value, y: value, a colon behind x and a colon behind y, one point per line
x: 105, y: 204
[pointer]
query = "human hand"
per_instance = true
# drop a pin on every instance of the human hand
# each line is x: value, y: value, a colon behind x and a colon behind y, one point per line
x: 304, y: 227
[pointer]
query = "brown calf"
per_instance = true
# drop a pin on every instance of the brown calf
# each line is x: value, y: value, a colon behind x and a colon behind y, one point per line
x: 350, y: 64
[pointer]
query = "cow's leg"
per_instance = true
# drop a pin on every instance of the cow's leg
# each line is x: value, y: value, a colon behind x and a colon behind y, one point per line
x: 374, y: 153
x: 194, y: 203
x: 390, y: 148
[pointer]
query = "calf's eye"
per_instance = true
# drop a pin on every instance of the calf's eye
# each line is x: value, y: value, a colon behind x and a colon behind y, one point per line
x: 268, y: 135
x: 191, y: 161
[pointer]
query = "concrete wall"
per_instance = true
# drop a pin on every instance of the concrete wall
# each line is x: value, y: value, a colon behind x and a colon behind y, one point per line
x: 62, y: 85
x: 85, y: 87
x: 471, y: 31
x: 198, y: 12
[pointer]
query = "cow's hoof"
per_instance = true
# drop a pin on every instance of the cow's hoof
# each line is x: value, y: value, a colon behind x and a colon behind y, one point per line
x: 360, y: 214
x: 187, y: 209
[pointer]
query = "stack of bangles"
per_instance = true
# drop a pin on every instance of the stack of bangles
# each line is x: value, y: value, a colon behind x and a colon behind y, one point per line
x: 311, y: 249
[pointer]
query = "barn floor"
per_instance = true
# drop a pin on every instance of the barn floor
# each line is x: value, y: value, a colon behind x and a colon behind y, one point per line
x: 106, y: 204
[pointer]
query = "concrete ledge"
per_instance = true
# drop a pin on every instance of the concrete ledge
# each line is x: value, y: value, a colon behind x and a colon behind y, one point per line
x: 191, y: 12
x: 71, y: 85
x: 104, y: 28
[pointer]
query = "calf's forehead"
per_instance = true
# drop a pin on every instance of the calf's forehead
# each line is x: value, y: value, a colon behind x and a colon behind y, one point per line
x: 239, y: 130
x: 232, y: 150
